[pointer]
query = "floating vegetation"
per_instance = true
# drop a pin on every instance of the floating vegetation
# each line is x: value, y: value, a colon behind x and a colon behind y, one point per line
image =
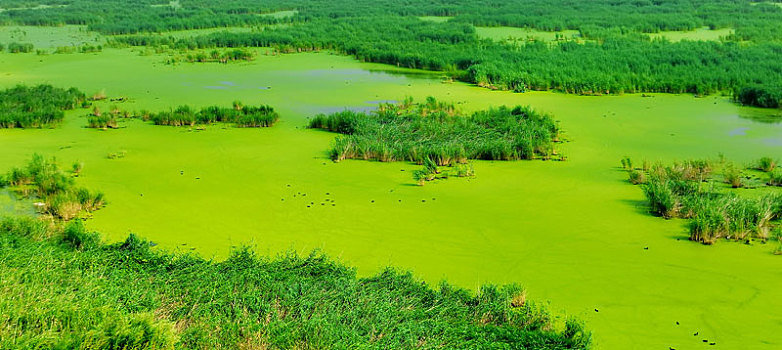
x: 117, y: 155
x: 688, y: 190
x: 240, y: 115
x: 37, y: 107
x: 437, y: 131
x: 431, y: 171
x: 54, y: 191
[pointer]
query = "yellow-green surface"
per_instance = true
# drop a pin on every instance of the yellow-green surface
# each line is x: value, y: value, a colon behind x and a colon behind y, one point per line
x: 49, y: 37
x: 572, y: 232
x: 702, y: 34
x: 513, y: 34
x: 436, y: 19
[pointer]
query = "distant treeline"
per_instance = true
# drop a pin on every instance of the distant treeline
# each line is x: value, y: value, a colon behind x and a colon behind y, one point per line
x: 760, y: 20
x: 38, y: 106
x: 438, y: 132
x: 608, y: 66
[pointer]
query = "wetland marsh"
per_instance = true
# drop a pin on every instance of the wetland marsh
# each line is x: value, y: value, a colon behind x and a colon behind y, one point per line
x: 572, y: 232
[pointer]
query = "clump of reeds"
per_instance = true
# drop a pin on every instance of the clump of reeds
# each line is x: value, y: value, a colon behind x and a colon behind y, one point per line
x: 686, y: 190
x: 766, y: 164
x: 239, y: 115
x: 732, y: 175
x: 54, y: 189
x: 775, y: 178
x: 438, y: 131
x: 37, y: 107
x: 102, y: 122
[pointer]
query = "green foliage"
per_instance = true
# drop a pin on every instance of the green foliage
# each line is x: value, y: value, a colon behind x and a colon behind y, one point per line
x: 36, y: 107
x: 685, y: 190
x: 637, y: 177
x: 775, y: 178
x: 760, y: 96
x: 436, y: 131
x: 732, y: 175
x: 15, y: 47
x: 241, y: 116
x: 128, y: 296
x: 76, y: 235
x: 102, y: 121
x: 767, y: 164
x: 610, y: 65
x: 58, y: 195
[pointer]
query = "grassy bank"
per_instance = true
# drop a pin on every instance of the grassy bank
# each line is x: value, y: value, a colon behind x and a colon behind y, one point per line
x: 64, y: 289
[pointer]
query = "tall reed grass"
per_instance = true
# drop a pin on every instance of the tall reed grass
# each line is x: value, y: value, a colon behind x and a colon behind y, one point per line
x: 438, y: 131
x: 687, y: 190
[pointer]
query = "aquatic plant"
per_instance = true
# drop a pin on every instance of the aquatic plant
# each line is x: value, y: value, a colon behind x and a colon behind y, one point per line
x: 637, y: 177
x: 55, y: 191
x: 438, y: 131
x: 766, y: 164
x: 775, y: 178
x: 732, y: 175
x: 102, y: 122
x: 685, y: 190
x: 36, y: 107
x: 129, y: 296
x: 240, y: 115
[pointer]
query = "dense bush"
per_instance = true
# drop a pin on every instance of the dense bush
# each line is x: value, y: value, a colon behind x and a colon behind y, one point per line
x: 64, y: 289
x: 36, y: 107
x: 434, y: 130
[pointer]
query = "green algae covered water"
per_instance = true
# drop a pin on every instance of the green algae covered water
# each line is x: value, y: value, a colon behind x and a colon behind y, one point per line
x: 572, y: 232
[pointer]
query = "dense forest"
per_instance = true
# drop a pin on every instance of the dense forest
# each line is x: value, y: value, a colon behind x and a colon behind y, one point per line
x: 615, y: 59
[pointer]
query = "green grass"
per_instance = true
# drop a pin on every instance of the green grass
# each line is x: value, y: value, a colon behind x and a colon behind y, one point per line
x: 438, y: 132
x: 62, y: 288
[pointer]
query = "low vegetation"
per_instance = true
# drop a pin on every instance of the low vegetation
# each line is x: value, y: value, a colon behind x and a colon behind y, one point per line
x: 690, y: 190
x: 438, y: 131
x: 37, y: 107
x: 54, y: 191
x: 431, y: 171
x: 239, y: 115
x: 62, y: 288
x: 233, y: 55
